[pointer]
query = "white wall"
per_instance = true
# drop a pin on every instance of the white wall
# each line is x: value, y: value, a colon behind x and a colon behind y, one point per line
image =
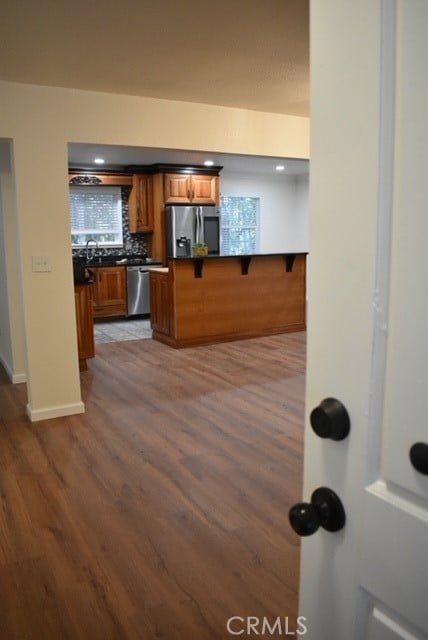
x: 284, y: 208
x: 301, y: 217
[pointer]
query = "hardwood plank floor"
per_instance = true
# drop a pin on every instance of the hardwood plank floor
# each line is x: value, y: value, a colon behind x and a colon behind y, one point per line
x: 162, y: 511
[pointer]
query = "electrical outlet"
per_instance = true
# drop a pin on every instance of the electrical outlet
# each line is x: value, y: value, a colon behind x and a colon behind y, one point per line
x: 41, y: 263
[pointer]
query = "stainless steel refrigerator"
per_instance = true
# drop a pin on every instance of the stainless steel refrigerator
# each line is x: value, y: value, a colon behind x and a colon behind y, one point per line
x: 187, y: 225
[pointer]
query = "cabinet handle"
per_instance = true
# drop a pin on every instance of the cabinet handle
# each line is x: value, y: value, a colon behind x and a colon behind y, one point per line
x: 188, y: 194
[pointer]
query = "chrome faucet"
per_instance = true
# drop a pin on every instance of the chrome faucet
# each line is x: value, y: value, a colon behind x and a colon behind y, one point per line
x: 93, y: 250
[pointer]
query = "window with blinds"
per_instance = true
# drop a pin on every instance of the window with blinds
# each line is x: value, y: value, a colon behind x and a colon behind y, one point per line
x: 239, y: 225
x: 96, y: 214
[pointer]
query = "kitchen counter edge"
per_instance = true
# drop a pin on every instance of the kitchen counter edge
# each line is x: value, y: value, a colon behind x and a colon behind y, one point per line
x: 241, y: 255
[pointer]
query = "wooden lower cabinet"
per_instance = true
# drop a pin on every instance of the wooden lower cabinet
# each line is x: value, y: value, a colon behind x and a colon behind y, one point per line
x: 110, y: 292
x: 84, y: 323
x: 160, y: 302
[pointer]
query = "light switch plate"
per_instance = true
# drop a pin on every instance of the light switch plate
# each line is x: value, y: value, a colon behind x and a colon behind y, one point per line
x: 41, y: 263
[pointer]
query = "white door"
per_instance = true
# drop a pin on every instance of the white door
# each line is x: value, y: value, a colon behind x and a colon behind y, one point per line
x: 368, y: 318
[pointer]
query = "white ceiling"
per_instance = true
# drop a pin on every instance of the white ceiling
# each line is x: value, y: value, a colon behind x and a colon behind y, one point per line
x: 251, y: 54
x: 83, y: 155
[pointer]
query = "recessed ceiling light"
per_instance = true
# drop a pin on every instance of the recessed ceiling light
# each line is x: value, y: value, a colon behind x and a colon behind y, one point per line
x: 208, y: 163
x: 280, y: 167
x: 99, y: 160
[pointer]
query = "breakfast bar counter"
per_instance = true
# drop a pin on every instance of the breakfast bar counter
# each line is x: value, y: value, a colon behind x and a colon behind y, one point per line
x: 201, y: 300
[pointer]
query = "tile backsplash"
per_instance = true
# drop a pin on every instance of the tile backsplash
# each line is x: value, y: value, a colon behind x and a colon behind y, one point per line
x: 134, y: 244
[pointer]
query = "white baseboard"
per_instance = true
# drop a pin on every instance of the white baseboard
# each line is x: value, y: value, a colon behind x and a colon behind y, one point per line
x: 15, y: 378
x: 19, y: 378
x: 58, y: 411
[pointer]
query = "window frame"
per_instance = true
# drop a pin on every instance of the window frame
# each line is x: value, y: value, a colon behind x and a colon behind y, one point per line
x: 94, y: 232
x: 255, y: 226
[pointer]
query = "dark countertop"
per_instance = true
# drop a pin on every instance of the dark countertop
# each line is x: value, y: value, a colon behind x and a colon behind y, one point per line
x: 111, y: 261
x: 242, y: 255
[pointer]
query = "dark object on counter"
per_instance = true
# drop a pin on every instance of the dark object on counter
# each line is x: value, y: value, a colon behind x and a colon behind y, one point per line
x: 81, y: 273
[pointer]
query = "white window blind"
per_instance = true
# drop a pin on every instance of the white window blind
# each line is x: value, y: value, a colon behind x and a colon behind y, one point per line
x: 96, y: 213
x: 239, y: 225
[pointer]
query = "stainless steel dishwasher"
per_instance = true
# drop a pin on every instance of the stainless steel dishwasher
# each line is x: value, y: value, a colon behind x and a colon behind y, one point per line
x: 138, y: 283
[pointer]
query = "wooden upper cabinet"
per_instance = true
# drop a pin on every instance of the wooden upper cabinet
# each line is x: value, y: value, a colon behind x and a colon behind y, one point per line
x: 140, y: 204
x: 198, y: 189
x: 206, y: 189
x: 177, y: 187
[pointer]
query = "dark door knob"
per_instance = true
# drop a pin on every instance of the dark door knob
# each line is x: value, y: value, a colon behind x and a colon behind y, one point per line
x: 419, y: 457
x: 324, y: 510
x: 330, y: 419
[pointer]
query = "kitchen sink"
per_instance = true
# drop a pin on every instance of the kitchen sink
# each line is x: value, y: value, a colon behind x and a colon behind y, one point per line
x: 97, y: 260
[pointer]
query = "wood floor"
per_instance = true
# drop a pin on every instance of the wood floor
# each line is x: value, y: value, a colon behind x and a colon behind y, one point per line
x: 162, y: 511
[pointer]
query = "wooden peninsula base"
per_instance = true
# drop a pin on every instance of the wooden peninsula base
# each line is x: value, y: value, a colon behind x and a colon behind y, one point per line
x: 221, y: 298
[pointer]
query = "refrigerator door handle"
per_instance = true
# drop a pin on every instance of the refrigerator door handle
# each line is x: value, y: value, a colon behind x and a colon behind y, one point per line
x: 198, y: 225
x: 201, y: 213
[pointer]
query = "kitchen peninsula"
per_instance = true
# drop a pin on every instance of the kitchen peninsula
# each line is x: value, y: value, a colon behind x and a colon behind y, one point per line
x: 201, y: 300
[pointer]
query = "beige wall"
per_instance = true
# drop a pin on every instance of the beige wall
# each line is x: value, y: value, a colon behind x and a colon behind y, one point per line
x: 41, y: 121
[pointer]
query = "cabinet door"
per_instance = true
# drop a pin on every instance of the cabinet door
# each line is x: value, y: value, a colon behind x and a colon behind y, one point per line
x: 159, y: 300
x: 205, y: 189
x: 164, y: 305
x: 200, y: 189
x: 140, y: 205
x: 84, y: 321
x: 110, y: 293
x: 177, y: 187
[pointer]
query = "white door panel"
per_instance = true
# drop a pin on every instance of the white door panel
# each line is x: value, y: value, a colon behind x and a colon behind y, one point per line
x: 394, y: 565
x: 368, y: 317
x: 383, y: 627
x: 406, y: 401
